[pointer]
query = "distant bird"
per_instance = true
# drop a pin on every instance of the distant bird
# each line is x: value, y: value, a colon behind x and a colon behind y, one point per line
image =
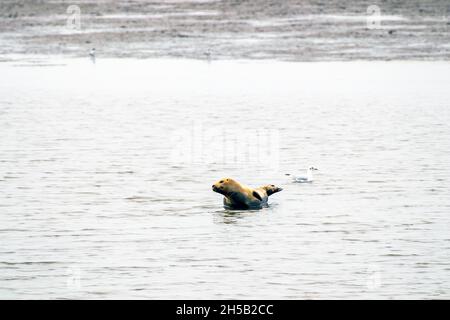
x: 92, y: 55
x: 207, y: 54
x: 308, y: 177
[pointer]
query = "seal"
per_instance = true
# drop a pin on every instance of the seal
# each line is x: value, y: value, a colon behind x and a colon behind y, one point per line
x: 241, y: 197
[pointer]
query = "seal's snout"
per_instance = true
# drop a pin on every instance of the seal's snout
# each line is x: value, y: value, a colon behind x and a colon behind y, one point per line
x: 219, y: 187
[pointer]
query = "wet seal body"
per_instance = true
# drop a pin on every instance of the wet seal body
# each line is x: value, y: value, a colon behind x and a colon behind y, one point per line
x: 241, y: 197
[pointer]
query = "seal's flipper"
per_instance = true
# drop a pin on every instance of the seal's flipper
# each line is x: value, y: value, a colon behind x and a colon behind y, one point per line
x: 257, y: 196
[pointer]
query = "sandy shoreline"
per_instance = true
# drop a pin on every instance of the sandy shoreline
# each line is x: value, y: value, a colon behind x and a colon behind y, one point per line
x: 261, y: 29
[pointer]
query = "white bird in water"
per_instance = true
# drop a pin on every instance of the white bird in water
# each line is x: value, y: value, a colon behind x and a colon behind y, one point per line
x: 308, y: 177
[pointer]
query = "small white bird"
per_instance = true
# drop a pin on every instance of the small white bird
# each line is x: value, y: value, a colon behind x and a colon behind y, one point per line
x: 208, y: 54
x: 307, y: 178
x: 92, y: 55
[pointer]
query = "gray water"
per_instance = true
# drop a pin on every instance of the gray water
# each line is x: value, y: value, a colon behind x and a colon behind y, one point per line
x: 106, y: 172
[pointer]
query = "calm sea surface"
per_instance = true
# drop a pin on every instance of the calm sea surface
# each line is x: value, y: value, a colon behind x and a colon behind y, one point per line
x: 106, y: 172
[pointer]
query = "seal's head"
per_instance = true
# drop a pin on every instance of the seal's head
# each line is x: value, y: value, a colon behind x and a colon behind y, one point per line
x: 225, y: 186
x: 271, y: 189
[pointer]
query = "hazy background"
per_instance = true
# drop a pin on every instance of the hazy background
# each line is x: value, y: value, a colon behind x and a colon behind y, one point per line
x: 288, y: 30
